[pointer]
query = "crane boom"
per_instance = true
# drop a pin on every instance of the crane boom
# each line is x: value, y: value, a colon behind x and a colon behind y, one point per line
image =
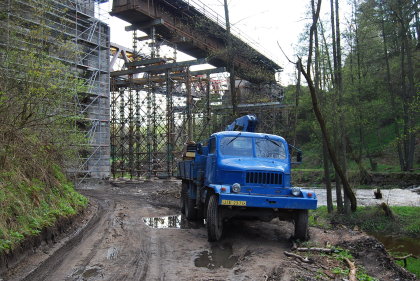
x: 246, y: 123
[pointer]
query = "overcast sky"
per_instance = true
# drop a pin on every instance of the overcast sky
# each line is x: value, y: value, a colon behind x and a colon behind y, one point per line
x: 265, y: 21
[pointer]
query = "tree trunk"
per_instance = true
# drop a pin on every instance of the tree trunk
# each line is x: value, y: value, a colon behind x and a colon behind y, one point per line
x: 231, y: 64
x: 325, y: 158
x: 296, y: 102
x: 324, y: 149
x: 341, y: 125
x: 337, y: 133
x: 391, y: 93
x: 318, y: 114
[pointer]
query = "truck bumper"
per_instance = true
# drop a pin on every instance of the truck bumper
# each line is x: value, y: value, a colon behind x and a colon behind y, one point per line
x: 243, y: 200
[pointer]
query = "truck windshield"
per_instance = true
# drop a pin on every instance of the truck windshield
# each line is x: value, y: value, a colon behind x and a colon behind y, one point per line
x: 236, y: 146
x: 268, y: 148
x: 242, y: 146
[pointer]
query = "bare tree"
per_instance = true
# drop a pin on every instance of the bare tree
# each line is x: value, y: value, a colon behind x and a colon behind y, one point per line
x: 306, y: 73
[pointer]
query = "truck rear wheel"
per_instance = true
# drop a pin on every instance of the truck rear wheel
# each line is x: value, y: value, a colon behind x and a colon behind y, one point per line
x: 214, y: 219
x: 301, y: 225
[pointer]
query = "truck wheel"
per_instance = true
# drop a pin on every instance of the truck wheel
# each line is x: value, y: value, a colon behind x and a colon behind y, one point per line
x: 214, y: 219
x: 301, y: 225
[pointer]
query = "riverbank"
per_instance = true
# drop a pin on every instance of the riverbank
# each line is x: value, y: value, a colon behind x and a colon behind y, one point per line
x: 399, y: 233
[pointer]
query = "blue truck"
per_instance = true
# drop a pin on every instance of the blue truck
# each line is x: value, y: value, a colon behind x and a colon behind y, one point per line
x: 239, y: 173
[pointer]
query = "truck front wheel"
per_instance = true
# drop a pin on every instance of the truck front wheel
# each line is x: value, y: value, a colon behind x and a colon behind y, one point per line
x: 214, y: 219
x: 301, y: 225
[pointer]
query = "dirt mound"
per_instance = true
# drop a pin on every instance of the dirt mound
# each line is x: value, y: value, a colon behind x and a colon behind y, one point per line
x: 371, y: 254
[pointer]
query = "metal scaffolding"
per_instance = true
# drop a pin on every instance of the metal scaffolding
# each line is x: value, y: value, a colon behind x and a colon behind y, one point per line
x: 76, y: 21
x: 158, y: 105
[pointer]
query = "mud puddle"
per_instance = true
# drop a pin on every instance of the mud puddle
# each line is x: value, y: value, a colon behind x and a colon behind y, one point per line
x: 399, y: 245
x: 219, y: 256
x: 176, y: 221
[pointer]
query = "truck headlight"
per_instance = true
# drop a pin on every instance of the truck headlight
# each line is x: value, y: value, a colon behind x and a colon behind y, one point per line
x: 236, y: 187
x: 296, y: 191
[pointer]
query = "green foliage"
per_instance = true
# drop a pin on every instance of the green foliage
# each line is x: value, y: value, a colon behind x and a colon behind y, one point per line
x: 380, y: 104
x: 373, y: 219
x: 38, y: 129
x: 27, y: 206
x: 343, y: 254
x: 413, y: 265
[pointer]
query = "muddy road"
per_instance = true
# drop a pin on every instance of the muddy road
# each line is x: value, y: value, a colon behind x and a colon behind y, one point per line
x: 136, y: 233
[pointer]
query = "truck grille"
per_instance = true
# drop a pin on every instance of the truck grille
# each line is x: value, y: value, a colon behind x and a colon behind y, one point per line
x: 264, y: 178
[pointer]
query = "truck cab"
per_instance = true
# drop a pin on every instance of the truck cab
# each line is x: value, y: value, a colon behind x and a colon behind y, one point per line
x: 242, y: 174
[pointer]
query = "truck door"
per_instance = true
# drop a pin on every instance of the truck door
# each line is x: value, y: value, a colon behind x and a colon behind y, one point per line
x: 211, y: 162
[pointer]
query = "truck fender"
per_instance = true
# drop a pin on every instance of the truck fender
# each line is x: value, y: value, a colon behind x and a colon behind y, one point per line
x: 206, y: 197
x: 217, y: 188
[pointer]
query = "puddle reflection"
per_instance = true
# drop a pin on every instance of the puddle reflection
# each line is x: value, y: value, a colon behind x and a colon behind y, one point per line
x: 219, y: 256
x: 176, y: 221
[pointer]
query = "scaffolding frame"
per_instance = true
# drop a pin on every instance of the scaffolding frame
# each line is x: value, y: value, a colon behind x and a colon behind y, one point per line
x: 77, y: 21
x: 154, y: 112
x: 158, y: 105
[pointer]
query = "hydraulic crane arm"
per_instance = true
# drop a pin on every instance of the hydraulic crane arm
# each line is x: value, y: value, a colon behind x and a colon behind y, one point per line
x: 246, y: 123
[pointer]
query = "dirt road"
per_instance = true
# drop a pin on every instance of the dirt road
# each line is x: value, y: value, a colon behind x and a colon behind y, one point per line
x: 138, y: 234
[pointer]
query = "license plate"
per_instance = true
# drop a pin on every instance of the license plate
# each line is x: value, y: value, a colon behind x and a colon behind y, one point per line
x: 233, y: 203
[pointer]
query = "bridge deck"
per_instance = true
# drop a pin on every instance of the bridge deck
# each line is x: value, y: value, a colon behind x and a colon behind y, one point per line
x: 195, y: 34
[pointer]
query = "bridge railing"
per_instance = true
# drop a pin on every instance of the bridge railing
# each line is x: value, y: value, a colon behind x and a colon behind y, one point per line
x: 221, y: 21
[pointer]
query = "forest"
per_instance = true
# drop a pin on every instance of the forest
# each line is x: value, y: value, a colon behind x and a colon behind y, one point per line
x: 360, y: 77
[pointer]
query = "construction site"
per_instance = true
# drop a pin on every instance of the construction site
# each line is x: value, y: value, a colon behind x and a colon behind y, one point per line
x: 142, y: 104
x: 170, y: 157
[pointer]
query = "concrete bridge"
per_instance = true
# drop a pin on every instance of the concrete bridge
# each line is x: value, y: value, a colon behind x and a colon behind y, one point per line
x: 197, y: 32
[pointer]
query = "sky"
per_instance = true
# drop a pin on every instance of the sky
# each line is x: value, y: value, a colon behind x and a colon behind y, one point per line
x: 268, y: 22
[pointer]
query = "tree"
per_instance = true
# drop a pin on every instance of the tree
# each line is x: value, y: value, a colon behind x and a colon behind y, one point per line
x: 307, y: 74
x: 37, y: 97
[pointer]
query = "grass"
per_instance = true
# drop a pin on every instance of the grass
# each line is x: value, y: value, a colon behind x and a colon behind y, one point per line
x: 413, y: 265
x: 29, y: 205
x: 372, y: 219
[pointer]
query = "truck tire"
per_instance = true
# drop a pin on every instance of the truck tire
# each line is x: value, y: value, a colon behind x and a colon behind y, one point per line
x: 301, y: 225
x: 214, y: 219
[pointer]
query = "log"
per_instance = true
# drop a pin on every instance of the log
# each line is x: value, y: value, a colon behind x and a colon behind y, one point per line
x: 320, y: 250
x: 378, y: 194
x: 404, y: 258
x: 352, y: 267
x: 302, y: 259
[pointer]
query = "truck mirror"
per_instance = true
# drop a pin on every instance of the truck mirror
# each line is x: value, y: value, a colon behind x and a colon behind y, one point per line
x: 299, y: 157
